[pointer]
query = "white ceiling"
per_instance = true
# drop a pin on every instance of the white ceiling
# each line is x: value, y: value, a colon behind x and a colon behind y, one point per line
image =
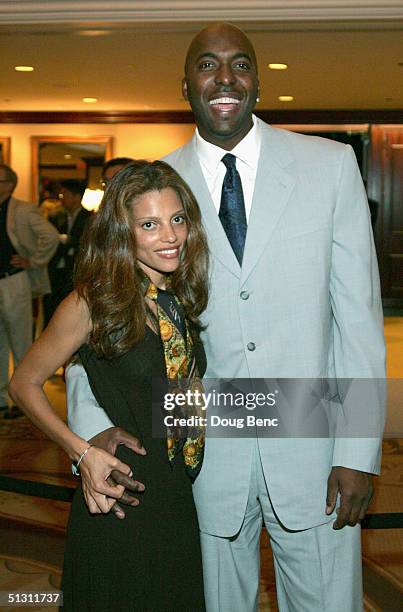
x: 332, y: 65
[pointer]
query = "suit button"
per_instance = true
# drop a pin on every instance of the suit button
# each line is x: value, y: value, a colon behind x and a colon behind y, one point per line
x: 251, y: 346
x: 244, y: 295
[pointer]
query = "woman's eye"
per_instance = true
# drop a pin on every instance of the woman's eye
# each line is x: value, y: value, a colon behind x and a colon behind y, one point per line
x: 148, y: 225
x: 179, y: 219
x: 242, y: 65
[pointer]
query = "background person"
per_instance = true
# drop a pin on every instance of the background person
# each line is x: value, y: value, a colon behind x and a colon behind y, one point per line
x: 27, y: 242
x: 112, y: 166
x: 70, y: 226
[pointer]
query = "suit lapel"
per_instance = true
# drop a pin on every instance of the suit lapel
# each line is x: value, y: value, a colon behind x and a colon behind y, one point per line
x: 273, y: 189
x: 188, y: 166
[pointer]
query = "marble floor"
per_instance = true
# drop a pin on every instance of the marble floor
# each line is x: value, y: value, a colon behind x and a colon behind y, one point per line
x: 32, y: 528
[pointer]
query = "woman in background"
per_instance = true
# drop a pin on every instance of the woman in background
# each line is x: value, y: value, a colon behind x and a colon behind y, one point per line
x: 141, y: 284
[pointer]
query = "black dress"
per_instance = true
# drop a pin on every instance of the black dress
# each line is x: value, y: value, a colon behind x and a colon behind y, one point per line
x: 151, y: 560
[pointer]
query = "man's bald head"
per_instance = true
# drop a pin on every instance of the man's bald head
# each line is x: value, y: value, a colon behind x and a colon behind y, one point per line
x: 221, y: 84
x: 222, y: 30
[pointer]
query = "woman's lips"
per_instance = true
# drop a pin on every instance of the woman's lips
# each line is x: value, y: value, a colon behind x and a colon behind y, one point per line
x: 168, y: 253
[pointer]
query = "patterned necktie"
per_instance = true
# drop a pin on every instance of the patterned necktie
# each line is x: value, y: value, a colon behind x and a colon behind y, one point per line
x: 232, y: 207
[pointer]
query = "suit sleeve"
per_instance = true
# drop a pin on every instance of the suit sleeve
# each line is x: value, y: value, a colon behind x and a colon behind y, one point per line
x: 46, y: 235
x: 359, y: 347
x: 85, y: 417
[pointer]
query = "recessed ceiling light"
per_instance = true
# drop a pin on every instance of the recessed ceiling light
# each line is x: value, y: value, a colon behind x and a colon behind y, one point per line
x: 93, y: 32
x: 24, y: 68
x: 278, y: 66
x: 90, y: 100
x: 286, y: 98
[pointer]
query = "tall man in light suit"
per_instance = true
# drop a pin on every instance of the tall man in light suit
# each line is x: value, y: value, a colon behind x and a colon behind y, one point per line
x: 303, y: 303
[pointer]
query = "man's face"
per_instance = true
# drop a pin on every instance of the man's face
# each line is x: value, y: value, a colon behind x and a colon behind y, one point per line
x: 70, y: 200
x: 110, y: 172
x: 221, y: 84
x: 6, y: 186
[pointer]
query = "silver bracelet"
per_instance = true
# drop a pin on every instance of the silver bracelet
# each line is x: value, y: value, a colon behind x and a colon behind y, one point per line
x: 81, y: 457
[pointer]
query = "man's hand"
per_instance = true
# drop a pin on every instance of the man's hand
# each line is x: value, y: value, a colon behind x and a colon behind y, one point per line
x: 355, y: 489
x: 20, y: 262
x: 109, y: 440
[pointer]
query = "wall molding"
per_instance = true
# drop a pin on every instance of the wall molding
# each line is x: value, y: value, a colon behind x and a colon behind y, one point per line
x: 127, y: 11
x: 289, y: 117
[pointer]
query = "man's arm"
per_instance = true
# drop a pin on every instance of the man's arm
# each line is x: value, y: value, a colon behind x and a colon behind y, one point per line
x: 359, y: 347
x: 47, y: 238
x: 84, y: 415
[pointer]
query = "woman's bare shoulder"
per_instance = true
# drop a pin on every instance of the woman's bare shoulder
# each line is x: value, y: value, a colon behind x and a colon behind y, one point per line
x: 72, y: 314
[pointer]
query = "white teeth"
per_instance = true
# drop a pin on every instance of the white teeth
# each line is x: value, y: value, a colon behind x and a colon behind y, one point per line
x: 224, y: 101
x: 169, y: 251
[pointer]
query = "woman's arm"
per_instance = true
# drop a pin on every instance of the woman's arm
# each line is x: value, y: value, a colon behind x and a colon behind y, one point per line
x: 66, y: 332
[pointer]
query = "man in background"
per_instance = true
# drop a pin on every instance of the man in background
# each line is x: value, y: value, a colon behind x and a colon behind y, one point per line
x: 27, y: 242
x: 112, y: 167
x: 70, y: 226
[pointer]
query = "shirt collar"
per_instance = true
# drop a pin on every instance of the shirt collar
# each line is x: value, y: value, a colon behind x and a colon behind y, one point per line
x: 247, y: 150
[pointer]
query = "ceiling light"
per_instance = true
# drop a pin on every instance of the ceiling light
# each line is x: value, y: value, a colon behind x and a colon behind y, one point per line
x: 67, y: 156
x: 24, y: 68
x: 93, y: 32
x: 278, y: 66
x: 286, y: 98
x: 90, y: 100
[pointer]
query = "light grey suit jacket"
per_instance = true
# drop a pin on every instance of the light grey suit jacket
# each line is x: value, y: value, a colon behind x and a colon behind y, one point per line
x: 314, y: 311
x: 34, y: 238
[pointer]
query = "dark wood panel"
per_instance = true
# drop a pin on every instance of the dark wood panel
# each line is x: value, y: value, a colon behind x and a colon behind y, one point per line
x: 396, y: 275
x: 386, y: 187
x: 271, y: 116
x: 396, y: 190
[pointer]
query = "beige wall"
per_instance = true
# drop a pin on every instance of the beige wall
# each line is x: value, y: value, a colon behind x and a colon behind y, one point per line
x: 149, y: 141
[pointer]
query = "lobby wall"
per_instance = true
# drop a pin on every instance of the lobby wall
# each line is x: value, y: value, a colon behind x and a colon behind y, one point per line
x: 144, y: 140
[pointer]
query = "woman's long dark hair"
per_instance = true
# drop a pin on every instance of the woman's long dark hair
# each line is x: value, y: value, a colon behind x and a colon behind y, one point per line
x: 107, y: 275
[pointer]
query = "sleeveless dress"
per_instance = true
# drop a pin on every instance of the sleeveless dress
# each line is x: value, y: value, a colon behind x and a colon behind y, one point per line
x: 151, y: 560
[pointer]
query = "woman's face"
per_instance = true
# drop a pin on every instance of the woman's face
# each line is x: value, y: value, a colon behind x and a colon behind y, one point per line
x: 160, y: 230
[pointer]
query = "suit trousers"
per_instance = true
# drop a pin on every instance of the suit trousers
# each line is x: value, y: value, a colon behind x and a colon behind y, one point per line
x: 316, y: 569
x: 15, y: 324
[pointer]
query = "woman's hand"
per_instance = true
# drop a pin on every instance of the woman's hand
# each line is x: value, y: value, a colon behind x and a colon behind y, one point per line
x: 95, y: 468
x: 109, y: 440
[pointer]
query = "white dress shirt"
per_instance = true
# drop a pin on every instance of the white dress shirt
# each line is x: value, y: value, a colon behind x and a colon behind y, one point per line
x: 247, y: 153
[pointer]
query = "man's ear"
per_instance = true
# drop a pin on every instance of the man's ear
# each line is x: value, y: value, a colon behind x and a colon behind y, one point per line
x: 185, y: 89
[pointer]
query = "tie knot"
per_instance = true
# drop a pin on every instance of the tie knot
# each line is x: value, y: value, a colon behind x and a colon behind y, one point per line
x: 229, y: 160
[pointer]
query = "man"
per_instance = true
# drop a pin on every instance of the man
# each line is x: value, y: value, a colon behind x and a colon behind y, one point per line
x: 112, y: 167
x: 70, y: 226
x: 27, y: 242
x: 294, y: 296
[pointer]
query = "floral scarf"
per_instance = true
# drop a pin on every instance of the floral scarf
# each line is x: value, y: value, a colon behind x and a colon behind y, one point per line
x: 182, y: 375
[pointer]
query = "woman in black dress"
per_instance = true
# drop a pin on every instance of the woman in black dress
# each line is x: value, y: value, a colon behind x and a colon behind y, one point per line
x: 141, y: 284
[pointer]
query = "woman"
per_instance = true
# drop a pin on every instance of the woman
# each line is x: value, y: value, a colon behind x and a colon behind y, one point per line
x: 141, y: 284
